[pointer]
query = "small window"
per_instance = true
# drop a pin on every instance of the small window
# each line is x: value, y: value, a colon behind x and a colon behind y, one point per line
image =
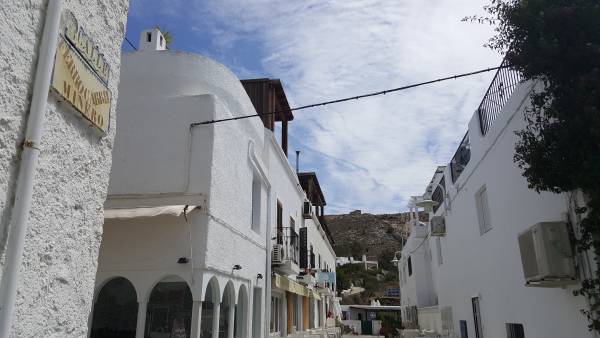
x: 256, y: 204
x: 438, y: 245
x: 148, y: 37
x: 409, y: 265
x: 464, y: 331
x: 483, y: 210
x: 279, y: 223
x: 514, y: 330
x: 161, y: 41
x: 477, y: 317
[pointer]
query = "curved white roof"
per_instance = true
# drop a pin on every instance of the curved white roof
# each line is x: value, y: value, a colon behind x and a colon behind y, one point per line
x: 174, y: 73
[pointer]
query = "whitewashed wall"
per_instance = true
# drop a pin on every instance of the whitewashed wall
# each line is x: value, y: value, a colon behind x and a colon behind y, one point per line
x: 160, y: 160
x: 489, y: 265
x: 65, y: 222
x: 321, y: 244
x: 417, y: 289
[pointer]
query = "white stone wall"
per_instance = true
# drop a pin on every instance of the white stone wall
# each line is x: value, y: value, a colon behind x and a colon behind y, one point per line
x: 419, y: 289
x: 160, y: 160
x: 489, y: 265
x: 65, y: 223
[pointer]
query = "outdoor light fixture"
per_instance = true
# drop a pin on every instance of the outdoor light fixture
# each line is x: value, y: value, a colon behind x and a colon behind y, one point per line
x: 427, y: 204
x: 237, y: 267
x: 182, y: 260
x: 396, y: 260
x: 259, y: 276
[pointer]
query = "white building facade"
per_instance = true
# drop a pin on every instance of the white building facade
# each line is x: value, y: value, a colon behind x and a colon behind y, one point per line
x: 192, y: 208
x: 54, y: 161
x: 480, y: 207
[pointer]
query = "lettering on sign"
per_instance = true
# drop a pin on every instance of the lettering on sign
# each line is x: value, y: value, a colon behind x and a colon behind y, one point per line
x: 81, y: 73
x: 80, y: 86
x: 70, y: 29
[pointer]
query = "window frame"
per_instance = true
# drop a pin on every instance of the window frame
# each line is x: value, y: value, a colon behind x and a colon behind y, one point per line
x: 440, y: 257
x: 482, y: 205
x: 256, y: 205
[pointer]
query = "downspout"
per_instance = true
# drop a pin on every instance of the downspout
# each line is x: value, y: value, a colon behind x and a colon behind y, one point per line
x: 268, y: 266
x: 29, y: 161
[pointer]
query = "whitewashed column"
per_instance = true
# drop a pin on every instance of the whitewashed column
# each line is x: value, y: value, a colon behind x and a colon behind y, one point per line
x: 195, y: 331
x: 231, y: 319
x: 141, y: 319
x: 215, y: 323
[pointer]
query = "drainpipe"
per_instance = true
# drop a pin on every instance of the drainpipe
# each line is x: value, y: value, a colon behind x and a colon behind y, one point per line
x: 267, y: 324
x: 29, y: 160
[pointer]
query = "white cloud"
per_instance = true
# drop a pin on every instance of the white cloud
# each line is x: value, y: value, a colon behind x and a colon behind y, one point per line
x: 370, y: 154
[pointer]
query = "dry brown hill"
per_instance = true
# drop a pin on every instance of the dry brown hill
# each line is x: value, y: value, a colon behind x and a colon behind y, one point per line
x: 357, y: 233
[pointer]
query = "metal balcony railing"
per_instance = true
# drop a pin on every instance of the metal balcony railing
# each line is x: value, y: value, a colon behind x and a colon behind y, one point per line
x: 288, y: 237
x: 461, y: 158
x: 503, y: 85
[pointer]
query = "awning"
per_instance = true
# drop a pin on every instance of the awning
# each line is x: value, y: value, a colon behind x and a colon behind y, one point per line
x: 286, y: 284
x: 174, y: 210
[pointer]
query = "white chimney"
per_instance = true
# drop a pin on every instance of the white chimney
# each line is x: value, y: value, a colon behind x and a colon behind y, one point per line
x: 152, y: 39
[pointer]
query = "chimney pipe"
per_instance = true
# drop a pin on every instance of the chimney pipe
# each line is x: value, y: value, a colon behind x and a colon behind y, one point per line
x: 297, y: 161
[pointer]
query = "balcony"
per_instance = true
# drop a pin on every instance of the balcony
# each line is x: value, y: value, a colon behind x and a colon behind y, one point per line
x: 289, y: 242
x: 461, y: 158
x: 503, y: 85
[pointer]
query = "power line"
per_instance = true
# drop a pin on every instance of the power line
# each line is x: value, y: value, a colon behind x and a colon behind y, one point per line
x: 383, y: 92
x: 129, y: 42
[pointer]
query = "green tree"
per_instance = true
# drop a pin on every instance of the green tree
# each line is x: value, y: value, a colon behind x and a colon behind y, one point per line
x: 357, y: 249
x: 385, y: 261
x: 557, y: 42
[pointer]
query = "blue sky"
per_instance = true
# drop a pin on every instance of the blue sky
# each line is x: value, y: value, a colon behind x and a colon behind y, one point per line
x: 371, y: 154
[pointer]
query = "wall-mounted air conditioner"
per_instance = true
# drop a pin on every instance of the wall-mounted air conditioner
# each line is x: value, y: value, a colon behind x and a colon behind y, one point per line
x: 307, y: 209
x: 547, y: 256
x: 438, y: 226
x: 277, y: 255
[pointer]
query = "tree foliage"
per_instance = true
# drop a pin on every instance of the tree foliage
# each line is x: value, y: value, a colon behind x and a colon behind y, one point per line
x: 557, y: 42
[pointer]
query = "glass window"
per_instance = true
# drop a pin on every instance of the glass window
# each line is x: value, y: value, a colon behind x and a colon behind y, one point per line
x: 256, y: 204
x: 483, y: 210
x: 438, y: 245
x: 514, y: 330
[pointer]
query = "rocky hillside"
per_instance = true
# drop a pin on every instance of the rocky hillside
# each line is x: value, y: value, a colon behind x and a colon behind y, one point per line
x: 359, y: 233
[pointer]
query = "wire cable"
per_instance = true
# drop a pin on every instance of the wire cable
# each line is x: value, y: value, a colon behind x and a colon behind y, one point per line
x: 129, y: 42
x: 383, y: 92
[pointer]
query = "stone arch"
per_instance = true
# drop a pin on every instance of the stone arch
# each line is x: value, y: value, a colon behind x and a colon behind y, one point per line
x: 150, y: 287
x: 210, y: 305
x: 241, y: 313
x: 227, y: 311
x: 115, y: 310
x: 169, y: 308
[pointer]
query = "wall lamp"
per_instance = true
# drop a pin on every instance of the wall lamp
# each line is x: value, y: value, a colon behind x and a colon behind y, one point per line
x: 259, y: 276
x: 236, y: 267
x: 182, y: 260
x: 396, y: 259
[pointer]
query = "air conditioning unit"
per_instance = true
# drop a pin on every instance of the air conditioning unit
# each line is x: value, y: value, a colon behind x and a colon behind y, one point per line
x: 277, y: 255
x: 307, y: 209
x: 438, y: 226
x: 547, y: 256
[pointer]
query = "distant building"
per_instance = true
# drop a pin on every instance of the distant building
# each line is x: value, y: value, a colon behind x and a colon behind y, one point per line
x: 495, y: 259
x: 367, y: 264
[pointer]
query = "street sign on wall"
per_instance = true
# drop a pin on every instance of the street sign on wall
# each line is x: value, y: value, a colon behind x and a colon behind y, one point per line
x: 81, y: 73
